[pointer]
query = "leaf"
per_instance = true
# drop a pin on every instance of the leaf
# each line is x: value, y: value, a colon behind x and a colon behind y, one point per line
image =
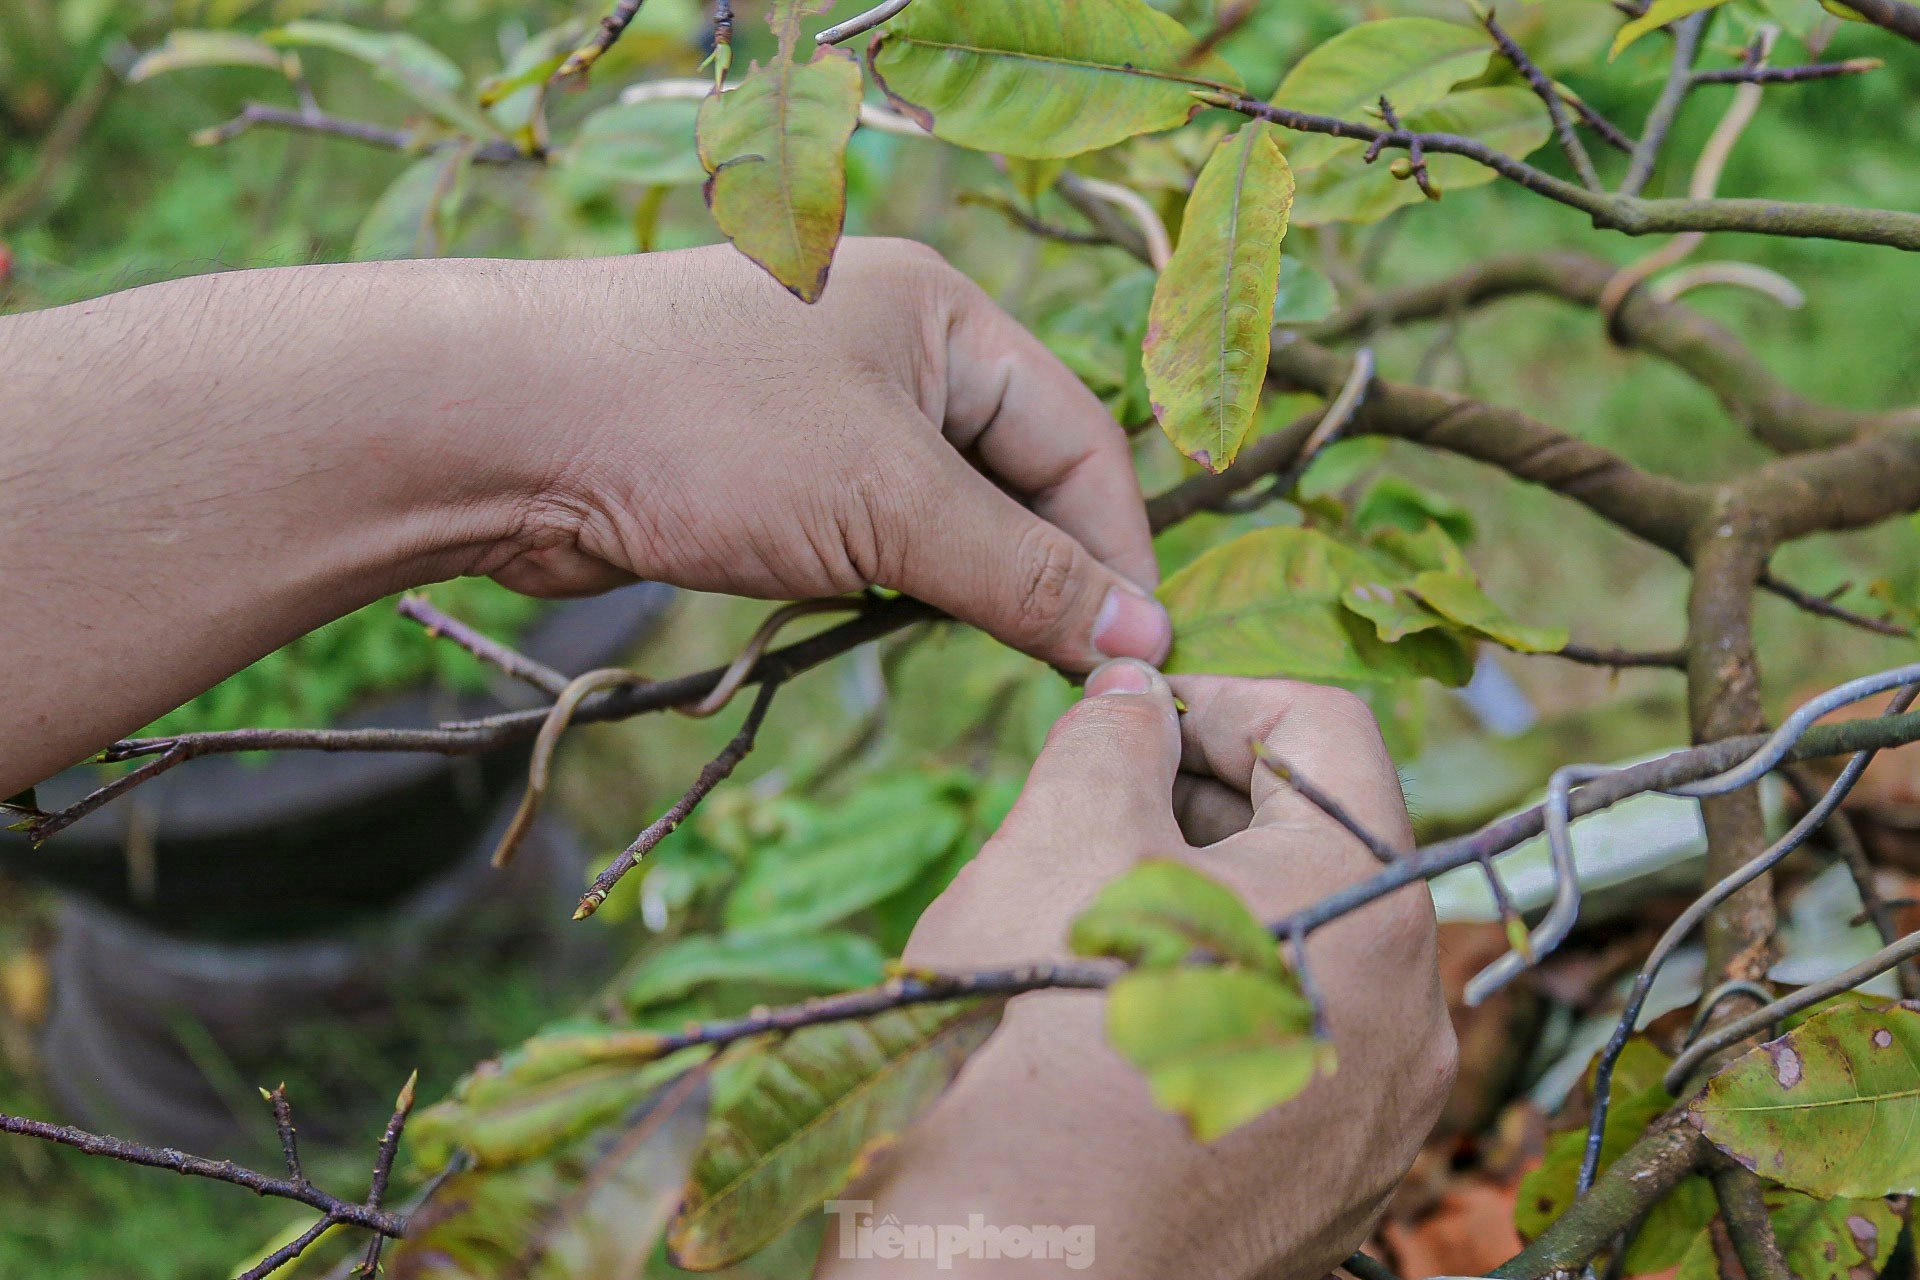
x: 1393, y: 503
x: 1210, y: 330
x: 1162, y: 911
x: 1828, y: 1108
x: 186, y: 49
x: 647, y: 144
x: 543, y: 1095
x: 1269, y: 604
x: 1395, y: 612
x: 1413, y: 62
x: 1658, y: 14
x: 1508, y: 119
x: 1218, y: 1046
x: 776, y: 150
x: 1042, y: 79
x: 809, y: 1113
x: 821, y: 876
x: 590, y: 1211
x: 819, y: 963
x: 1639, y: 1097
x: 1459, y: 599
x: 1833, y: 1239
x: 404, y: 61
x: 1305, y: 295
x: 405, y: 222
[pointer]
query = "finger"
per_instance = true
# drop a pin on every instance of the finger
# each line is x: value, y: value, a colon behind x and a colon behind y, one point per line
x: 1208, y: 810
x: 1102, y: 787
x: 949, y: 537
x: 1036, y: 428
x: 1327, y: 736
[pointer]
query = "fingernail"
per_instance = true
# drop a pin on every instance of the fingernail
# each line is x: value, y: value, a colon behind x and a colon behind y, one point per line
x: 1132, y: 626
x: 1122, y: 675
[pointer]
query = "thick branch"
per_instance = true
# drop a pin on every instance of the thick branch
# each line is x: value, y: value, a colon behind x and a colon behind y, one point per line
x: 1633, y: 1184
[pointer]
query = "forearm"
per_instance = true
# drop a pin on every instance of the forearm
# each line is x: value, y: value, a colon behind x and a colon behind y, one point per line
x: 196, y: 473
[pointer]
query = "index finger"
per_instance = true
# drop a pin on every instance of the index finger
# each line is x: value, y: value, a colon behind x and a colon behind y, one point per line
x: 1326, y: 735
x: 1040, y: 432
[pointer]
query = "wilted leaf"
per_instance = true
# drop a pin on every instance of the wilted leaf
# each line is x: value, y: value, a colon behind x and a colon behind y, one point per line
x: 1043, y: 79
x: 776, y: 150
x: 811, y: 1111
x: 1639, y: 1098
x: 1460, y: 599
x: 1827, y: 1108
x: 543, y: 1095
x: 591, y: 1211
x: 1162, y: 911
x: 1507, y: 119
x: 815, y: 963
x: 1211, y: 327
x: 404, y: 61
x: 647, y: 144
x: 822, y: 875
x: 1269, y: 603
x: 1658, y: 14
x: 185, y: 49
x: 1218, y: 1046
x: 1413, y: 62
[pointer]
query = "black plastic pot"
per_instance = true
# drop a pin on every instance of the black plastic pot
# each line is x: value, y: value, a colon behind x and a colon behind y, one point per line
x: 268, y: 847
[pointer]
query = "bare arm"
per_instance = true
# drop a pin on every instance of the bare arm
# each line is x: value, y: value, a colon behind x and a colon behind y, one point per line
x: 195, y: 473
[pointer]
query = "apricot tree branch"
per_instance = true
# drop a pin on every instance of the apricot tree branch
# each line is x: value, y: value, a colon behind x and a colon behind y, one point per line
x: 417, y: 608
x: 1548, y: 93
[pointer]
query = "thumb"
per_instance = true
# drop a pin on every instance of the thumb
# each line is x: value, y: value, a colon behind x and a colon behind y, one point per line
x: 1102, y: 787
x: 974, y: 552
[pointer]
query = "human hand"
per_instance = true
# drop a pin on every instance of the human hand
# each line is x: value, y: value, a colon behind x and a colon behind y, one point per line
x: 1047, y: 1125
x: 903, y: 432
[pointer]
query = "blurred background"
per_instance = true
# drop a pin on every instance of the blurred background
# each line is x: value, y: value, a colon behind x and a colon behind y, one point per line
x: 330, y: 923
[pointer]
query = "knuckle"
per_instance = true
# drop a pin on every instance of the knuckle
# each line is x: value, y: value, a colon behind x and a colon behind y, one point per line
x: 1046, y: 566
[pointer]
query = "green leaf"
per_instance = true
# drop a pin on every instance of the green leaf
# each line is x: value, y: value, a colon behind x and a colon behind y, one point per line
x: 1042, y: 79
x: 818, y: 963
x: 1395, y: 612
x: 404, y: 61
x: 1218, y: 1046
x: 1269, y: 603
x: 647, y: 144
x: 857, y: 858
x: 186, y: 49
x: 1508, y: 119
x: 1459, y: 598
x: 1211, y: 326
x: 1305, y: 295
x: 543, y: 1095
x: 1828, y: 1108
x: 776, y: 150
x: 1658, y: 14
x: 1393, y: 503
x: 1833, y: 1239
x: 407, y: 220
x: 1161, y: 912
x: 1413, y: 62
x: 1639, y: 1098
x: 810, y: 1111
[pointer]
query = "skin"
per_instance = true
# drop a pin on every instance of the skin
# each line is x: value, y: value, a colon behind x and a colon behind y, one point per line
x: 195, y: 473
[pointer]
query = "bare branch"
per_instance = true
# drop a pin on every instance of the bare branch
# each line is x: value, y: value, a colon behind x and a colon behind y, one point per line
x: 1666, y: 108
x: 1381, y: 850
x: 259, y: 114
x: 1548, y: 93
x: 862, y: 23
x: 612, y: 27
x: 1788, y: 75
x: 417, y: 608
x: 1672, y: 659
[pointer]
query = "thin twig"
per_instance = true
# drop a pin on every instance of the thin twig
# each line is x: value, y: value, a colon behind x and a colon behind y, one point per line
x: 1382, y: 851
x: 862, y: 23
x: 1788, y: 75
x: 1674, y: 659
x: 718, y: 770
x: 1030, y: 224
x: 612, y: 27
x: 288, y: 1252
x: 1845, y: 839
x: 1548, y: 93
x: 439, y: 625
x: 262, y: 115
x: 1416, y: 167
x: 383, y: 1168
x: 1666, y: 108
x: 1824, y: 607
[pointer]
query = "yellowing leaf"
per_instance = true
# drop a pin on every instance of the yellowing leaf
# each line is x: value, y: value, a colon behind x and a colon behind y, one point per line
x: 1658, y: 14
x: 807, y: 1113
x: 1218, y: 1046
x: 1508, y: 119
x: 1828, y: 1108
x: 1211, y: 327
x: 1269, y: 604
x: 1162, y: 911
x: 1042, y: 79
x: 776, y: 150
x: 1460, y: 599
x: 1413, y: 62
